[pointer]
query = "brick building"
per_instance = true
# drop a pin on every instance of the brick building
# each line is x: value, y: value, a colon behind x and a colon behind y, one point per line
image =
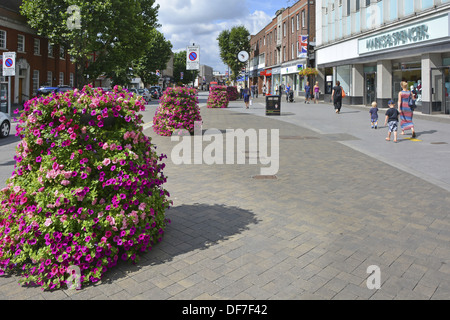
x: 38, y: 62
x: 276, y: 57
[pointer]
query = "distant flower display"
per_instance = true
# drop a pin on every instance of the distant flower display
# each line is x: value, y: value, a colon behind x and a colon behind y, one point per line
x: 218, y: 97
x: 232, y: 93
x: 178, y: 110
x: 86, y: 191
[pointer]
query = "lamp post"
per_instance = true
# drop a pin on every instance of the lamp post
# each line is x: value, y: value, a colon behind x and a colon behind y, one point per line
x: 308, y: 21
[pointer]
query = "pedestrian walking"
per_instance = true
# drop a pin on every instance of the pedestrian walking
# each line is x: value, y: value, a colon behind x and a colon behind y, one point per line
x: 406, y: 110
x: 288, y: 89
x: 246, y: 93
x: 336, y: 97
x: 307, y: 92
x: 316, y: 92
x: 374, y: 115
x: 392, y: 115
x: 264, y: 90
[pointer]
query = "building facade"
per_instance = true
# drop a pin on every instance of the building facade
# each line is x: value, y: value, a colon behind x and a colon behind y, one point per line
x: 38, y: 62
x: 276, y: 51
x: 370, y: 46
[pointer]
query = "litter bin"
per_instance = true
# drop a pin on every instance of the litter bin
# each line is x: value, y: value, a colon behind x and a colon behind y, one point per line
x: 273, y: 105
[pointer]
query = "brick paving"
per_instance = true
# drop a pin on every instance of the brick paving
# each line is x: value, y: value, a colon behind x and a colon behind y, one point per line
x: 332, y: 212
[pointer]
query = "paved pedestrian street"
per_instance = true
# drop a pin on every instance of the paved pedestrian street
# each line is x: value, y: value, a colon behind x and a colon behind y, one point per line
x: 341, y: 203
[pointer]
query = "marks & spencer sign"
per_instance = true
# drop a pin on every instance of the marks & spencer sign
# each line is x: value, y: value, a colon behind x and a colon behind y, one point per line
x: 418, y: 33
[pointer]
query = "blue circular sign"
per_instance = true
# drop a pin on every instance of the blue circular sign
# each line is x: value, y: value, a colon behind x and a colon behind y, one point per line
x: 193, y: 56
x: 9, y: 63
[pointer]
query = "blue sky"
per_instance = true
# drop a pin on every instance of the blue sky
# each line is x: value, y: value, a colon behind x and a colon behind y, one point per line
x: 200, y: 21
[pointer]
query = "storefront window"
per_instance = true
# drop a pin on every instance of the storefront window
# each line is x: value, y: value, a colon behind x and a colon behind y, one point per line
x: 411, y: 72
x: 343, y: 74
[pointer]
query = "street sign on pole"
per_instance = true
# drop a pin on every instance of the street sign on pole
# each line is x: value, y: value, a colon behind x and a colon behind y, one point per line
x: 193, y: 58
x: 9, y: 64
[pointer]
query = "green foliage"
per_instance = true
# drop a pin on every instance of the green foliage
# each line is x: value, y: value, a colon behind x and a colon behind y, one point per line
x: 179, y: 66
x: 231, y: 42
x: 157, y: 55
x: 116, y: 30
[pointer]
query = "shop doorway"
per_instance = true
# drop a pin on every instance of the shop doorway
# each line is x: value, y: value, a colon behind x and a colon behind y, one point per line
x: 370, y: 81
x: 440, y: 90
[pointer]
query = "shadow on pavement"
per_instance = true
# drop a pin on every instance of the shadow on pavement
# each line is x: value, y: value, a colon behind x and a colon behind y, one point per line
x: 193, y: 227
x: 9, y: 140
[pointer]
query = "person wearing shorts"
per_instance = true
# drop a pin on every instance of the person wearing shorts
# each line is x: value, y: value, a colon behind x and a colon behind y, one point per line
x: 374, y: 115
x: 316, y: 92
x: 392, y: 115
x: 307, y: 92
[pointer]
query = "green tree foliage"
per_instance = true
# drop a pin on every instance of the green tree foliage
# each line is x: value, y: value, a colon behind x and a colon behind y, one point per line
x: 231, y: 42
x: 116, y: 30
x: 156, y: 57
x: 179, y: 66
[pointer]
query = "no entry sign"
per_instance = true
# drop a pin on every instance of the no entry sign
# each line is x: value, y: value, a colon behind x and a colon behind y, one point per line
x: 193, y: 58
x: 9, y: 64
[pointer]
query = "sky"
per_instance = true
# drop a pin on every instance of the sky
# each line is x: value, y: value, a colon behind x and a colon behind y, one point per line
x: 184, y: 22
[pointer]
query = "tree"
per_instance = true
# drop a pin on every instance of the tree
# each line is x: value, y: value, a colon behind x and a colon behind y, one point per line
x: 116, y: 30
x: 157, y: 55
x: 179, y: 66
x: 231, y: 42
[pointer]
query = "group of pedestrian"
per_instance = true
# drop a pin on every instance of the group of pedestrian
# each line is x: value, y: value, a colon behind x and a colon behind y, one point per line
x: 403, y: 114
x: 312, y: 93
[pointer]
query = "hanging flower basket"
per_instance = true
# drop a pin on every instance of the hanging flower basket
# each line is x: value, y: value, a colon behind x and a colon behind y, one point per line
x: 309, y: 72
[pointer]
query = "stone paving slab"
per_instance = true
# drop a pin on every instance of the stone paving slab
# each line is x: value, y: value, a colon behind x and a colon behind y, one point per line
x: 310, y: 234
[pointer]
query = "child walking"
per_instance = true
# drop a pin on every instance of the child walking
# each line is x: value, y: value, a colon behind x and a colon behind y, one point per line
x: 392, y: 119
x: 374, y: 115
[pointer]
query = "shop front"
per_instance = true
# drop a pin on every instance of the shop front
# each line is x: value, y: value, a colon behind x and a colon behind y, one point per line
x: 267, y: 85
x: 276, y: 80
x: 371, y: 68
x: 440, y: 84
x: 290, y: 76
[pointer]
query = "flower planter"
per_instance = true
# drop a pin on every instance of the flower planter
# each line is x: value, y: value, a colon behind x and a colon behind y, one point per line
x: 178, y: 111
x: 86, y: 192
x: 218, y: 97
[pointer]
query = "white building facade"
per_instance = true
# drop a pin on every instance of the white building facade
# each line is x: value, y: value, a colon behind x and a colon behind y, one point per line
x: 370, y: 46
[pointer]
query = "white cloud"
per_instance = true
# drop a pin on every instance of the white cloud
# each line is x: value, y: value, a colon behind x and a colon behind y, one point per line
x: 185, y: 22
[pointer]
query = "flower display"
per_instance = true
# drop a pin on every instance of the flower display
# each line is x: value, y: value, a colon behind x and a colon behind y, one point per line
x: 309, y: 72
x: 218, y: 97
x: 86, y: 190
x: 178, y: 110
x: 232, y: 93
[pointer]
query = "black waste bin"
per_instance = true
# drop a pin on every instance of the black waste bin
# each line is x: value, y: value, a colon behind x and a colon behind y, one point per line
x: 273, y: 105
